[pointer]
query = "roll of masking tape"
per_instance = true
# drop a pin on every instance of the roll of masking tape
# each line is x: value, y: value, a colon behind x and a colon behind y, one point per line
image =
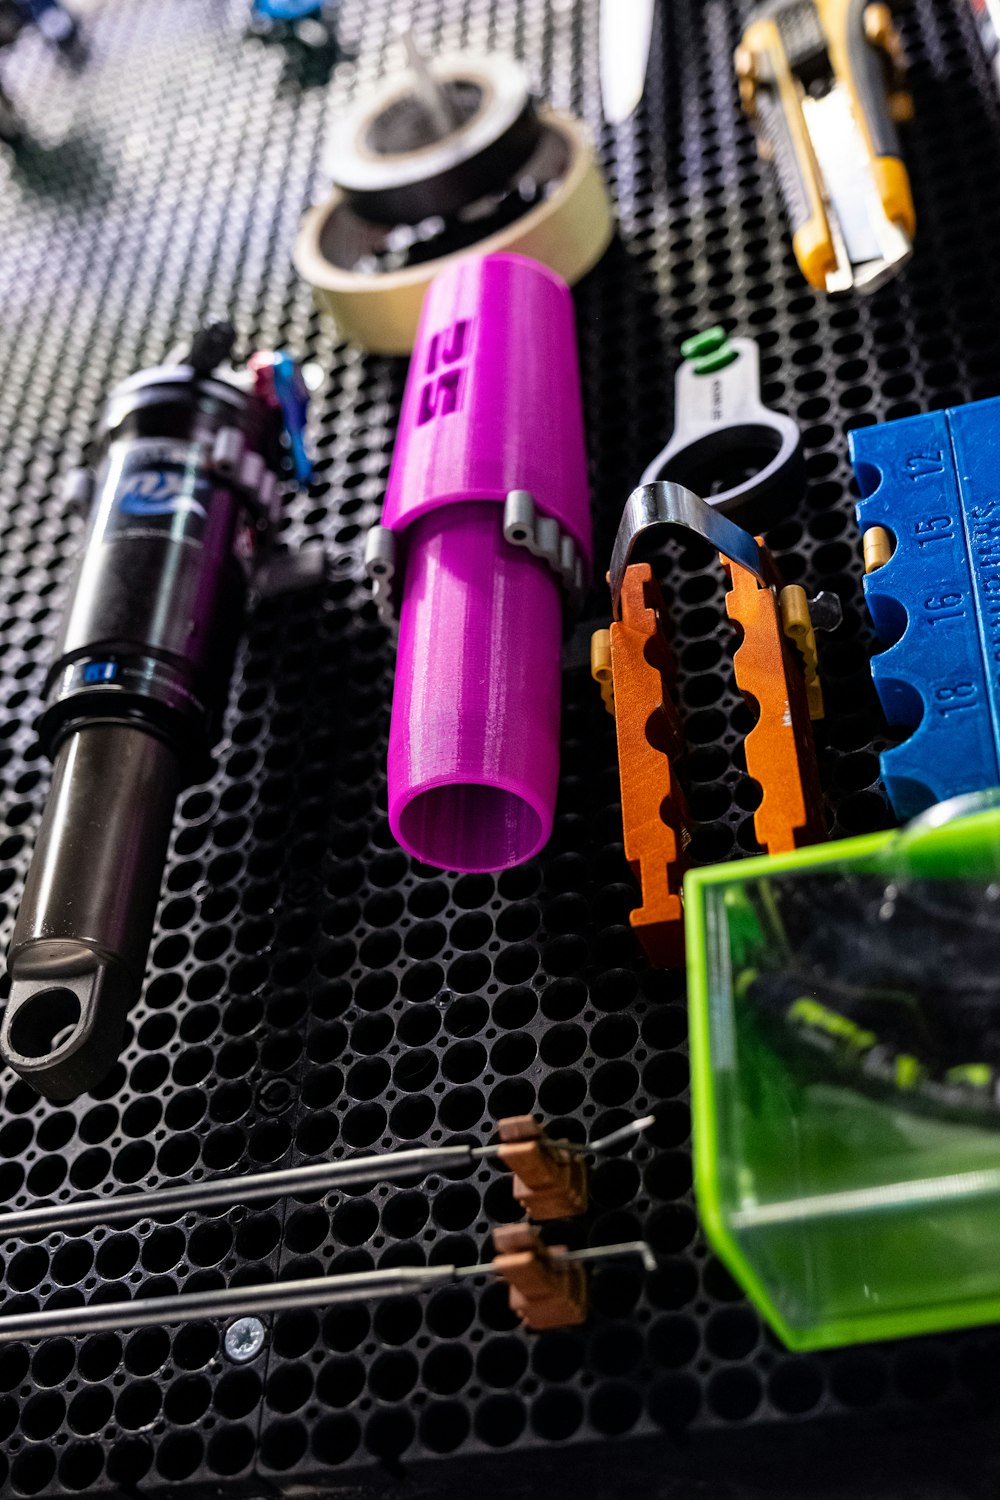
x: 387, y: 152
x: 568, y: 230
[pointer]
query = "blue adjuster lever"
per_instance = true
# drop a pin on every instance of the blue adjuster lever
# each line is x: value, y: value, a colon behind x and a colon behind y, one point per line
x: 287, y: 10
x: 930, y: 513
x: 279, y: 378
x: 311, y: 22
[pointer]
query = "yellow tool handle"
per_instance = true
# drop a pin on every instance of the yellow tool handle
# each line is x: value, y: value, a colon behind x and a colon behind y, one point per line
x: 865, y: 55
x: 772, y: 96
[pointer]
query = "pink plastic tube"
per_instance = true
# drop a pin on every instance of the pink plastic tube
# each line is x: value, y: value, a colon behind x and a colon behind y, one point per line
x: 492, y: 405
x: 474, y: 744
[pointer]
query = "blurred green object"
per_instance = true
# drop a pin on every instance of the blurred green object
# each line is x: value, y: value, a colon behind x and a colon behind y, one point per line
x: 852, y: 1185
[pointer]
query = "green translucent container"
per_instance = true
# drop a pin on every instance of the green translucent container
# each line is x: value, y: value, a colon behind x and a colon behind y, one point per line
x: 844, y: 1217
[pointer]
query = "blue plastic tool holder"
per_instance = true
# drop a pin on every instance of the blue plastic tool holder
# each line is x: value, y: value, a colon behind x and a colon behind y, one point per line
x: 933, y: 482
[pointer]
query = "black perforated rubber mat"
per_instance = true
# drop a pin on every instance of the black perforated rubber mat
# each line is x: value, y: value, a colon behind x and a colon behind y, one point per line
x: 312, y: 992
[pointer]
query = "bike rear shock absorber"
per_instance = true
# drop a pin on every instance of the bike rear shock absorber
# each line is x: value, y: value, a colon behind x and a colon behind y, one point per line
x: 182, y: 500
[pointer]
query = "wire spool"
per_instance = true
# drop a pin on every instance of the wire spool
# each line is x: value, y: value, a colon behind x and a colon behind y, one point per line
x: 451, y: 157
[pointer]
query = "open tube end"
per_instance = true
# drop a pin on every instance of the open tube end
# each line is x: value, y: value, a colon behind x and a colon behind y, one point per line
x: 473, y: 828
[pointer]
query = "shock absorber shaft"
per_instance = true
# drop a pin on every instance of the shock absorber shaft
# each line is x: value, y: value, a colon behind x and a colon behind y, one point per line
x: 182, y: 498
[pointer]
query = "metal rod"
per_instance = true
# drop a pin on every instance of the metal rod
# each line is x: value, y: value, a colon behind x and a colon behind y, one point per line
x: 617, y: 1137
x: 264, y: 1298
x: 229, y: 1302
x: 432, y: 96
x: 609, y: 1252
x: 224, y: 1192
x: 565, y: 1258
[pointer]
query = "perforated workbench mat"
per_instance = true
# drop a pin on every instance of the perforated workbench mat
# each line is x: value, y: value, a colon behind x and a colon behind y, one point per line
x: 311, y: 991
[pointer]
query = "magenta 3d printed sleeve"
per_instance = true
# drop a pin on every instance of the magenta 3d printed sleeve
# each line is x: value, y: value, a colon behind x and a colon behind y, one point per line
x: 485, y: 532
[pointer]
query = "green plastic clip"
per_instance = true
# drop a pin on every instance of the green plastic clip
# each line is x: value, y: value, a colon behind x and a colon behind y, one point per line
x: 709, y: 351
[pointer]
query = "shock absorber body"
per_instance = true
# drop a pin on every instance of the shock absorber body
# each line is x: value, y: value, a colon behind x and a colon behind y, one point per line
x: 187, y: 460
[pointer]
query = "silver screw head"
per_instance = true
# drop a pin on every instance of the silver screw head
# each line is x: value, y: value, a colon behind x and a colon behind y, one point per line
x: 244, y: 1339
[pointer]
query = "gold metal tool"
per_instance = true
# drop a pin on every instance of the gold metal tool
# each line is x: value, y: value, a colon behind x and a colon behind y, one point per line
x: 824, y: 83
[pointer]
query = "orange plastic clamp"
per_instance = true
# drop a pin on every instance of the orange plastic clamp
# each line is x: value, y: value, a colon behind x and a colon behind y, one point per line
x: 654, y: 812
x: 549, y: 1182
x: 543, y: 1293
x: 780, y: 753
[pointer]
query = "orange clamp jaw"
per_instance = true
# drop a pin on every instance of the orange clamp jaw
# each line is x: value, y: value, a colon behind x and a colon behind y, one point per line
x: 654, y: 812
x: 549, y: 1183
x: 780, y: 754
x: 543, y: 1293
